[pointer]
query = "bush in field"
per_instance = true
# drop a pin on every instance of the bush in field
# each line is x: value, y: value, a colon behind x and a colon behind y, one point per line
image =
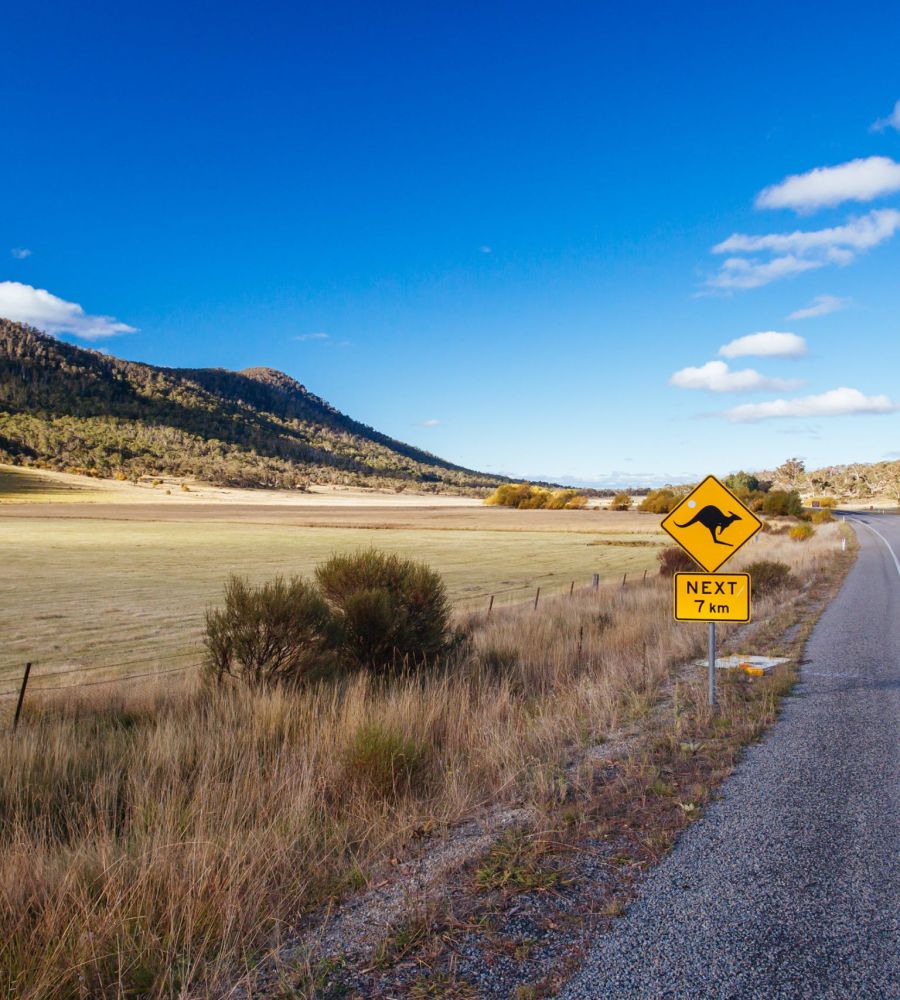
x: 621, y: 501
x: 527, y: 497
x: 801, y: 532
x: 782, y: 503
x: 660, y: 501
x: 279, y: 633
x: 822, y: 516
x: 390, y: 611
x: 742, y: 481
x: 768, y: 576
x: 674, y: 559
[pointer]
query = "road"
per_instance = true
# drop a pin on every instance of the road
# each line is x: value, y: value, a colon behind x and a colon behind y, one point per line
x: 789, y: 886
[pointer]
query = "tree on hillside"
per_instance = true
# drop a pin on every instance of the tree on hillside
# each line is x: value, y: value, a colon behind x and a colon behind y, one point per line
x: 790, y: 472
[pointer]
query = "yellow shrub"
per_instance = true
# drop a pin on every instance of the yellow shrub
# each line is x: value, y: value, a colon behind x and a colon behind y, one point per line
x: 801, y: 532
x: 527, y: 497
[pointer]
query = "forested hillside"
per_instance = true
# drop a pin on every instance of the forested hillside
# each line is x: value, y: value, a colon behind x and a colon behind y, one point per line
x: 67, y: 408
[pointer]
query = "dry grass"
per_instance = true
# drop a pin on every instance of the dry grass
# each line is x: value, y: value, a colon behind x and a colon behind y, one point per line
x: 152, y: 843
x: 124, y: 590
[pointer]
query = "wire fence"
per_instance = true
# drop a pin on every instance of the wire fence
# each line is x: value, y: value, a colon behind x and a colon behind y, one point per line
x: 486, y: 602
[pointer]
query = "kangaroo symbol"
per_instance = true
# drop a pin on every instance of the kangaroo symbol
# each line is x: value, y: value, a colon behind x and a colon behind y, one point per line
x: 713, y: 520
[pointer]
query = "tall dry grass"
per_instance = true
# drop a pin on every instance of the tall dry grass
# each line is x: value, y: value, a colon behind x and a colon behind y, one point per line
x: 152, y: 844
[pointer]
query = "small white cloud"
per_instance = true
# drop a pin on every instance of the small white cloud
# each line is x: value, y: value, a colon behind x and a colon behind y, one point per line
x: 821, y: 305
x: 834, y: 403
x: 20, y: 253
x: 430, y: 423
x: 716, y: 376
x: 858, y: 180
x: 311, y: 336
x: 891, y: 121
x: 486, y: 249
x: 768, y: 344
x: 38, y: 307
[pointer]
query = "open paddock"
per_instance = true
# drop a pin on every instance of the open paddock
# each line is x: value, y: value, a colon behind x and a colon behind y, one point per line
x: 97, y: 590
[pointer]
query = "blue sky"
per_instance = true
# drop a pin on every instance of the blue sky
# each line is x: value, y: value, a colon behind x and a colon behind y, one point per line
x: 515, y: 234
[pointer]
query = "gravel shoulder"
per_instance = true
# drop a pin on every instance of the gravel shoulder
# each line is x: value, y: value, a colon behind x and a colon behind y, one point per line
x: 788, y: 887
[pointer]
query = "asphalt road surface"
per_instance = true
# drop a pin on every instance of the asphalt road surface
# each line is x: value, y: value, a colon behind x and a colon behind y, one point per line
x: 789, y: 886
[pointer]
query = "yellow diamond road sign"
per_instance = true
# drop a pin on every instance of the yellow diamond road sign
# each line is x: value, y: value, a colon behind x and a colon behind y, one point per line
x: 711, y: 524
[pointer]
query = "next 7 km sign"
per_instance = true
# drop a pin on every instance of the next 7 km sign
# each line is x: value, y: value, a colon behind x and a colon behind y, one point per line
x: 712, y: 597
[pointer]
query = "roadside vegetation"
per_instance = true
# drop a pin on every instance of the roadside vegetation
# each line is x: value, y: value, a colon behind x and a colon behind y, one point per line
x: 156, y: 842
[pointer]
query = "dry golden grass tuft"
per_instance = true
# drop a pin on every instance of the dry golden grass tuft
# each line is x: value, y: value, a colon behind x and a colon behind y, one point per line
x: 154, y: 844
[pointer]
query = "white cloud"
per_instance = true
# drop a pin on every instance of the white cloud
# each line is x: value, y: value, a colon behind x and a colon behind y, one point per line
x: 737, y: 273
x: 20, y: 253
x: 799, y: 251
x: 430, y: 423
x: 716, y: 376
x: 859, y: 234
x: 311, y: 336
x: 821, y: 305
x: 858, y: 180
x: 38, y: 307
x: 834, y: 403
x: 768, y: 344
x: 891, y: 121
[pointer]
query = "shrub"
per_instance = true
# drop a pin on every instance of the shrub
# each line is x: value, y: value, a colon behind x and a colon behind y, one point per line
x: 782, y: 503
x: 279, y: 633
x: 527, y: 497
x: 389, y: 610
x: 742, y: 481
x: 659, y: 501
x: 801, y: 532
x: 674, y: 559
x: 768, y: 576
x: 621, y: 501
x: 383, y: 760
x: 822, y: 516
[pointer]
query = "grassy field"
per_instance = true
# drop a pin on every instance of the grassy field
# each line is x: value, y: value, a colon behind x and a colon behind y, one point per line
x: 121, y: 588
x: 156, y: 841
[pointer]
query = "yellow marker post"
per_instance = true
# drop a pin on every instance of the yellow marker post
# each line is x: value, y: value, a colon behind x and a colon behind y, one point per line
x: 712, y: 597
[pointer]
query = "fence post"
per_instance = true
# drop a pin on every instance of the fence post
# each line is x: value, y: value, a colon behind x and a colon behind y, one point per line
x: 21, y: 696
x: 490, y: 605
x: 536, y: 598
x: 645, y: 576
x: 595, y: 583
x: 580, y: 643
x: 624, y: 578
x: 571, y: 588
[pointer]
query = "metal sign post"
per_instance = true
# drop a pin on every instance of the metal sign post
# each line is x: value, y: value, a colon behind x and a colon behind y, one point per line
x: 712, y: 664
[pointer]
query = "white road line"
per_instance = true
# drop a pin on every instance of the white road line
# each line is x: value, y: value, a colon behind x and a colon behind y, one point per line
x: 886, y: 542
